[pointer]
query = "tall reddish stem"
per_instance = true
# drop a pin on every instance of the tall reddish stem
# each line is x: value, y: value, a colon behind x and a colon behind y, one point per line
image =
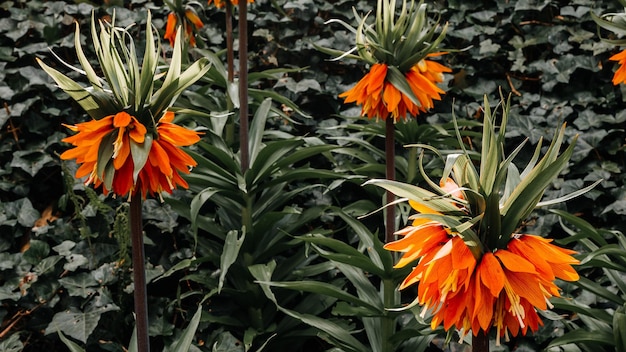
x: 139, y: 274
x: 480, y: 342
x: 230, y: 60
x: 243, y: 85
x: 390, y: 154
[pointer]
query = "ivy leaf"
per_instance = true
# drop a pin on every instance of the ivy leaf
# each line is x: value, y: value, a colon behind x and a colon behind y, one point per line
x: 82, y: 285
x: 31, y: 161
x: 76, y: 323
x: 226, y: 342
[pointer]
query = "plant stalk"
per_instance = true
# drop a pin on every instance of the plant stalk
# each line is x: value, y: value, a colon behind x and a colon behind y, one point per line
x: 139, y: 274
x: 230, y: 59
x: 390, y: 155
x: 388, y: 323
x: 230, y: 63
x: 412, y: 165
x: 480, y: 342
x: 243, y: 86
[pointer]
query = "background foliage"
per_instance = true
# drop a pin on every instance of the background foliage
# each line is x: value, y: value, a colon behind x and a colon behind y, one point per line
x: 64, y: 261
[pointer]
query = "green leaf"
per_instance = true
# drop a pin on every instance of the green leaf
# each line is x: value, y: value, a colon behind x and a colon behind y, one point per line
x: 12, y: 343
x: 263, y: 273
x: 196, y: 204
x: 93, y: 78
x: 140, y: 153
x: 619, y: 328
x: 257, y: 128
x: 37, y: 251
x: 81, y: 285
x: 582, y: 336
x: 78, y: 324
x: 344, y: 253
x: 521, y: 203
x: 71, y: 345
x: 328, y: 290
x: 94, y: 104
x: 185, y: 340
x: 597, y: 289
x: 148, y: 67
x: 230, y: 253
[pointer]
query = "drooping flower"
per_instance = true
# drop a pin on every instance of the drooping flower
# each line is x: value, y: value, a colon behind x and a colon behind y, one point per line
x: 475, y: 270
x: 380, y: 99
x: 614, y: 22
x: 190, y: 22
x: 502, y: 289
x: 620, y: 74
x: 118, y: 136
x: 221, y: 3
x: 401, y: 81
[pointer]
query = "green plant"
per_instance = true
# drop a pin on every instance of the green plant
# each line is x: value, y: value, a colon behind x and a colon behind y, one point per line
x: 601, y: 296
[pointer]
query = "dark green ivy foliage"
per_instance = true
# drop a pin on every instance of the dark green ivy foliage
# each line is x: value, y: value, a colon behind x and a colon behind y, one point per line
x: 64, y: 258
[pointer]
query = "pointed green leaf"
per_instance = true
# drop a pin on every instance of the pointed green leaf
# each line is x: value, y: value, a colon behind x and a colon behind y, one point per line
x: 140, y: 153
x: 71, y: 345
x: 230, y: 253
x: 257, y: 129
x: 185, y: 340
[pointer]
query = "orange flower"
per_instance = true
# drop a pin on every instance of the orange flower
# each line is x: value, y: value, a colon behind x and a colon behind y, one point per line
x: 620, y: 74
x: 190, y: 22
x: 170, y: 28
x: 380, y: 99
x: 502, y: 289
x: 221, y: 3
x: 116, y: 139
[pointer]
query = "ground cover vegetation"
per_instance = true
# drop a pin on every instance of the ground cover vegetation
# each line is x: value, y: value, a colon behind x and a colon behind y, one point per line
x: 289, y: 255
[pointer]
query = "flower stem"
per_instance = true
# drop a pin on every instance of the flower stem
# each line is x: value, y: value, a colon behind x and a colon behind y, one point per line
x: 243, y: 86
x: 389, y: 288
x: 230, y: 63
x: 412, y: 165
x: 390, y: 155
x: 230, y: 59
x: 139, y: 274
x: 388, y: 322
x: 480, y: 342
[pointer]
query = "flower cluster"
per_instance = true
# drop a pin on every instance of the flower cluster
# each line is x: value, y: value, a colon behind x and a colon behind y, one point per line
x: 379, y: 98
x: 190, y: 21
x: 402, y: 80
x: 476, y: 269
x: 119, y: 135
x: 221, y: 3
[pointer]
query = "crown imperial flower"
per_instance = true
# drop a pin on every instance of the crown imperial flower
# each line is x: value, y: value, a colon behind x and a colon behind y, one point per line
x: 190, y: 22
x: 123, y: 148
x: 475, y: 270
x: 221, y: 3
x: 402, y: 80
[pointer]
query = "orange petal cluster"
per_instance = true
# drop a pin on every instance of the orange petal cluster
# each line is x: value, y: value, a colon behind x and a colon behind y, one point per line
x: 190, y: 21
x: 221, y: 3
x: 620, y: 74
x: 114, y: 135
x: 380, y: 99
x: 502, y: 289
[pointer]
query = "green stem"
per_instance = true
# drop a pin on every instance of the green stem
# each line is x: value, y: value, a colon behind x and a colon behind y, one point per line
x: 412, y: 165
x: 139, y: 274
x: 389, y: 288
x: 390, y: 155
x: 480, y: 342
x: 388, y: 320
